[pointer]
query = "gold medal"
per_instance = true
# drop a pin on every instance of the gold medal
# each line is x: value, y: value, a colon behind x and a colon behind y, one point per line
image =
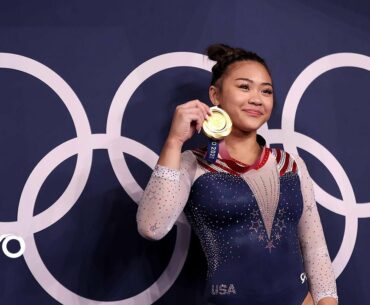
x: 218, y: 124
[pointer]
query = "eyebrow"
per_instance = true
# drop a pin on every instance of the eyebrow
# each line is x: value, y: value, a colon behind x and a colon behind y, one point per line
x: 247, y: 79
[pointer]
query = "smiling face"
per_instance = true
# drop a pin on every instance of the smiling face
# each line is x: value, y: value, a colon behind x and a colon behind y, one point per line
x: 245, y: 92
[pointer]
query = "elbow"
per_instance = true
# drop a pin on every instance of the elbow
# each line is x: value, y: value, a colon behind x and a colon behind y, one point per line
x: 149, y: 228
x: 148, y: 234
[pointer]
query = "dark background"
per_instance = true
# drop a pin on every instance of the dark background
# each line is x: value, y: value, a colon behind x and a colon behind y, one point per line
x: 95, y: 250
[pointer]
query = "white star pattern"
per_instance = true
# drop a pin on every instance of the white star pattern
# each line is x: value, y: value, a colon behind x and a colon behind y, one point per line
x: 270, y: 245
x: 280, y: 224
x: 151, y: 194
x: 255, y: 225
x: 154, y: 227
x: 281, y: 212
x: 309, y: 207
x: 254, y: 213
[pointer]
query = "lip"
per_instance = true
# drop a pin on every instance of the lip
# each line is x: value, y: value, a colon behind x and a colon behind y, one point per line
x: 253, y: 112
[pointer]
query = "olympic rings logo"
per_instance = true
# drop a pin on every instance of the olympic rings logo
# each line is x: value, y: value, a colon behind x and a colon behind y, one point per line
x: 27, y: 225
x: 6, y: 238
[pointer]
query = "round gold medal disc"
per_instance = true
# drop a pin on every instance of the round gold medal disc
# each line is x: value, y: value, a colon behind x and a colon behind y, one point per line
x: 218, y: 124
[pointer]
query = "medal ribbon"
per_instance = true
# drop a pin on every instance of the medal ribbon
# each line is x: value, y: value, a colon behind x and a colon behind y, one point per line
x: 212, y: 150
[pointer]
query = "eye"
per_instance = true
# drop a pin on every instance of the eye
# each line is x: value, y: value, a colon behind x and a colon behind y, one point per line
x: 267, y: 91
x: 244, y: 86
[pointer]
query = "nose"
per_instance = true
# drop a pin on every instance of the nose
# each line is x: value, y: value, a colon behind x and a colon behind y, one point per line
x: 254, y: 97
x: 255, y: 101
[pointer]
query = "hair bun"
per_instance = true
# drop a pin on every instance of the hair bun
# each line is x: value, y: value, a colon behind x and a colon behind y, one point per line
x: 218, y: 52
x: 225, y: 55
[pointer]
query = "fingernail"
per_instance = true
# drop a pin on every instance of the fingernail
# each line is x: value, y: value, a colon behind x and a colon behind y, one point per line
x: 199, y: 130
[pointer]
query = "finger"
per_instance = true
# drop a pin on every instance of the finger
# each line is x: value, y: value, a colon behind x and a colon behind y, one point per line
x: 195, y: 115
x: 199, y: 112
x: 205, y: 107
x: 208, y: 109
x: 197, y: 104
x: 189, y: 104
x: 196, y: 122
x: 195, y: 112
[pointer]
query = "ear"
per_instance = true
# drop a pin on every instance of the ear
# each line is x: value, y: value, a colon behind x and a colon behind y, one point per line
x: 213, y: 92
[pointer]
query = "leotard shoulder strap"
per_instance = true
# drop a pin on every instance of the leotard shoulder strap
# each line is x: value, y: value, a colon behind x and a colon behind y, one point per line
x: 284, y: 161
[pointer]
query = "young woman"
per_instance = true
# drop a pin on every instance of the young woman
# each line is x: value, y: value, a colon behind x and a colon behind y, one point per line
x: 253, y: 209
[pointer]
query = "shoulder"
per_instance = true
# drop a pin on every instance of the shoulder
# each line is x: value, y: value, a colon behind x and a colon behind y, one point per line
x: 285, y: 161
x: 192, y: 156
x: 187, y: 156
x: 289, y: 162
x: 195, y: 153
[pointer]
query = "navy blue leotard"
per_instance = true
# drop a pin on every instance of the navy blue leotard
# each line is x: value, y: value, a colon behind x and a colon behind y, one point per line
x: 258, y: 226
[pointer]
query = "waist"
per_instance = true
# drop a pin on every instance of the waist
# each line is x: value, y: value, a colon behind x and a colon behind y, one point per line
x: 235, y: 294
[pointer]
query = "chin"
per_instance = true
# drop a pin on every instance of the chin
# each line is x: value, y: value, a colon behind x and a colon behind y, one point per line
x: 249, y: 124
x: 251, y: 127
x: 247, y: 129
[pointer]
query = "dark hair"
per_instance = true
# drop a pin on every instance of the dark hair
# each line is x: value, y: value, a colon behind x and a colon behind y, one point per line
x: 225, y: 55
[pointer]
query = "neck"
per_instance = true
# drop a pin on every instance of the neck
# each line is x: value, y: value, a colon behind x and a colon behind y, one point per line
x: 243, y: 146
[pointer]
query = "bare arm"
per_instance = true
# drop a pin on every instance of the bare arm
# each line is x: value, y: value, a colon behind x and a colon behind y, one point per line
x: 171, y: 154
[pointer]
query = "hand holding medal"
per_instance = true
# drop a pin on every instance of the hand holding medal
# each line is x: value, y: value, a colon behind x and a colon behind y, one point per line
x: 188, y: 119
x: 192, y: 116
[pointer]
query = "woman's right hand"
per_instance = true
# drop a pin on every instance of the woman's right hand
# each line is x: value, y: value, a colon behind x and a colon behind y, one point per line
x: 188, y: 118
